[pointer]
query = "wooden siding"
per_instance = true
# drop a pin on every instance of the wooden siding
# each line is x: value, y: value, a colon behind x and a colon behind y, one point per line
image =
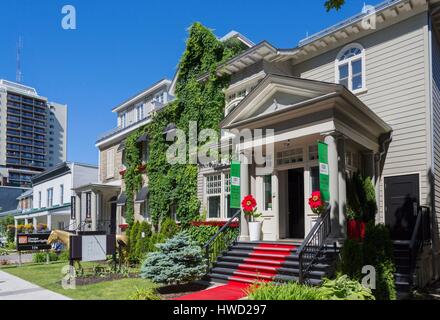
x: 396, y: 90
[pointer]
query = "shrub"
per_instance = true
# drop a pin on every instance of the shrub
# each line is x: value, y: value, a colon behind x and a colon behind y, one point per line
x: 132, y: 239
x: 202, y: 234
x: 179, y: 260
x: 169, y: 228
x: 370, y: 204
x: 41, y: 257
x: 289, y: 291
x: 143, y: 239
x: 64, y: 256
x: 343, y: 288
x: 352, y: 259
x: 144, y: 294
x: 378, y: 252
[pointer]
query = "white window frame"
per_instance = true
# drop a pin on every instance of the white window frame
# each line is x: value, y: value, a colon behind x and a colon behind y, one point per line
x: 61, y: 194
x: 140, y: 115
x: 123, y: 119
x: 349, y: 61
x: 49, y: 199
x: 225, y: 190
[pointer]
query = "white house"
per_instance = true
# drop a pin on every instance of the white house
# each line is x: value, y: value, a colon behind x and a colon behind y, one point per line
x: 52, y: 192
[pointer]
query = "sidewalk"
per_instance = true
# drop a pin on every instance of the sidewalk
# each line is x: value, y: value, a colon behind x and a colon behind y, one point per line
x: 13, y: 288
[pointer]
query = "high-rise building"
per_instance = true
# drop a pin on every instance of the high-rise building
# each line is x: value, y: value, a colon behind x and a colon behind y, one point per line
x: 33, y: 133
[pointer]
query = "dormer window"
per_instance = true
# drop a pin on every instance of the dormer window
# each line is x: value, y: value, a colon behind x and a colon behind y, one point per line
x: 140, y: 112
x: 123, y: 120
x: 350, y: 68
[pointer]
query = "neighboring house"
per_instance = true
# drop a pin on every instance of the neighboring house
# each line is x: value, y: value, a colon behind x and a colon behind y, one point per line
x: 49, y: 202
x: 373, y: 95
x: 100, y: 206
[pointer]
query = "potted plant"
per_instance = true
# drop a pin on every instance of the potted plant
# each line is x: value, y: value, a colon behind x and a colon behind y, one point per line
x: 249, y: 205
x: 355, y: 225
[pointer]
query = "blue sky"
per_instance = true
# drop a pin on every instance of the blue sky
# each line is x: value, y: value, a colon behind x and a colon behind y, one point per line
x: 121, y: 47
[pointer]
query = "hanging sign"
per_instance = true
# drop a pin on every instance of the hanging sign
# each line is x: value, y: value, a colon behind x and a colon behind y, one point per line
x: 324, y: 179
x: 235, y: 185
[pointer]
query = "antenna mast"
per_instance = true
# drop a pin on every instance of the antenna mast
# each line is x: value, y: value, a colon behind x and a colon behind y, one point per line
x: 19, y: 74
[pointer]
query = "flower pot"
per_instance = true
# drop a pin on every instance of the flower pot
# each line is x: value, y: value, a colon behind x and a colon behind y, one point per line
x: 255, y: 231
x: 356, y: 229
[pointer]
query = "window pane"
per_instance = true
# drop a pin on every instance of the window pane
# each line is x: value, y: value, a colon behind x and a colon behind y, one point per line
x: 357, y: 67
x: 230, y: 212
x: 343, y: 71
x: 344, y: 82
x: 268, y: 192
x: 314, y: 178
x: 357, y: 82
x: 214, y: 207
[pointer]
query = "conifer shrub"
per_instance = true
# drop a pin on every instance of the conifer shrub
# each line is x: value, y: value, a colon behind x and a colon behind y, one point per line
x: 352, y: 259
x: 179, y: 260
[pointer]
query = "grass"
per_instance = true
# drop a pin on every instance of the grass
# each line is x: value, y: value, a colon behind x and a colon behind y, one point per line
x: 49, y: 277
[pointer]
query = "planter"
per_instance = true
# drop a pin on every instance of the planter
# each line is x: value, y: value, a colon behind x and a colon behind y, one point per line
x: 255, y: 231
x: 356, y: 229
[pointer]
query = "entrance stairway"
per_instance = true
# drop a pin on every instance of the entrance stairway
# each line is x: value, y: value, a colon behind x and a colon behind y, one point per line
x: 402, y: 262
x: 248, y: 262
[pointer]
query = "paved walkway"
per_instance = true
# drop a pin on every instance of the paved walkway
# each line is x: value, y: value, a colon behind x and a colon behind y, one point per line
x: 13, y: 288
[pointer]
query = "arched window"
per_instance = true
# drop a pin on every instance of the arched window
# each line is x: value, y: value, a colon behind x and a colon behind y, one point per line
x: 350, y: 67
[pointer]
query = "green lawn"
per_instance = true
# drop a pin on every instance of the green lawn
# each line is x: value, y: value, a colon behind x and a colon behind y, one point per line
x: 49, y: 277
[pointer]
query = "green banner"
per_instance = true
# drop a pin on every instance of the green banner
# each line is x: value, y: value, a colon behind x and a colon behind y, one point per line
x: 324, y: 171
x: 235, y: 185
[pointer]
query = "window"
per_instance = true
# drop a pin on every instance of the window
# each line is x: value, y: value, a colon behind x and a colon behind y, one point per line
x: 49, y: 198
x: 290, y: 156
x: 313, y: 152
x: 61, y: 194
x: 350, y: 67
x: 145, y: 151
x: 39, y: 199
x: 88, y: 205
x: 140, y: 112
x: 267, y: 192
x: 123, y: 120
x: 314, y: 179
x: 110, y: 170
x: 61, y: 225
x: 218, y: 195
x: 73, y: 208
x: 145, y: 208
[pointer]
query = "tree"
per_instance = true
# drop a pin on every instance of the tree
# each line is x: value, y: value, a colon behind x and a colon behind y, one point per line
x: 334, y: 4
x: 179, y: 260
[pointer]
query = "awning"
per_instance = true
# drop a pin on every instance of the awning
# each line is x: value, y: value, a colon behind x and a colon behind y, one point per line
x: 122, y: 199
x: 121, y: 146
x: 170, y: 128
x: 142, y: 195
x: 142, y: 138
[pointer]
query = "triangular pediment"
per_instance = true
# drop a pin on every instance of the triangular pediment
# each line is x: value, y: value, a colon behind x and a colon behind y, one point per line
x: 275, y: 94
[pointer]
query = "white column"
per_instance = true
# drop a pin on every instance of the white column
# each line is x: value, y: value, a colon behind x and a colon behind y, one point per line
x: 26, y: 221
x: 94, y: 211
x: 49, y: 222
x: 15, y: 225
x: 244, y: 191
x: 34, y: 222
x: 276, y: 204
x: 333, y: 165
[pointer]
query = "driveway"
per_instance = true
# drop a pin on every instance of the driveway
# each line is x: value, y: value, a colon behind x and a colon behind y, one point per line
x: 13, y: 288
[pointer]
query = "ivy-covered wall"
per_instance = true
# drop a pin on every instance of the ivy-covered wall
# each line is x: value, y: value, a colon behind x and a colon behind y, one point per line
x: 202, y: 102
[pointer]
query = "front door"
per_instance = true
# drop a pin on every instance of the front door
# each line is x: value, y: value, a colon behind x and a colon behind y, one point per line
x: 401, y: 202
x: 296, y: 203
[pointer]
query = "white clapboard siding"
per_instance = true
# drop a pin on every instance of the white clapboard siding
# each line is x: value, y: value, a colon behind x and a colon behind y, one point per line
x: 396, y: 91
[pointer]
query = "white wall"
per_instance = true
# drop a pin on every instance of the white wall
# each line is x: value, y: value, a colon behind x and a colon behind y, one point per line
x: 55, y: 183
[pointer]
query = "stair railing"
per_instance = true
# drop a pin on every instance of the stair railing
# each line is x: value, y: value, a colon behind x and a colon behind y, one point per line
x: 313, y: 244
x: 222, y: 240
x: 420, y: 236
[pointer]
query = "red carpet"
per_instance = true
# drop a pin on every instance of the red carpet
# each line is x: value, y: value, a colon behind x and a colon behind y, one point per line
x: 260, y: 266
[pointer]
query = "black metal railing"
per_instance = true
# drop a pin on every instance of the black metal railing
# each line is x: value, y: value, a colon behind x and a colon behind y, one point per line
x: 420, y: 236
x: 222, y: 240
x: 313, y: 245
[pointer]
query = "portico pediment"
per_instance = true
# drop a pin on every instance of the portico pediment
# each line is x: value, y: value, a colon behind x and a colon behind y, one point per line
x: 274, y: 94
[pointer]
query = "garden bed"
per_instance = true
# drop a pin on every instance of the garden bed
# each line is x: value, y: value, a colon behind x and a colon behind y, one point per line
x: 87, y: 280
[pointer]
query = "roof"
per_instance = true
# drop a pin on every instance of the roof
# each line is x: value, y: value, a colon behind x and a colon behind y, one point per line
x: 328, y: 38
x: 144, y: 93
x: 60, y: 169
x: 8, y: 198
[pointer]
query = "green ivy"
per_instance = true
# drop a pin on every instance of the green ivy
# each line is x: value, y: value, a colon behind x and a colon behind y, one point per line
x: 200, y: 101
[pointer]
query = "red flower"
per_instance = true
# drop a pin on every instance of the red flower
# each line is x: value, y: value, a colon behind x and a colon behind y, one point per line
x: 315, y: 200
x: 249, y: 203
x: 123, y: 227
